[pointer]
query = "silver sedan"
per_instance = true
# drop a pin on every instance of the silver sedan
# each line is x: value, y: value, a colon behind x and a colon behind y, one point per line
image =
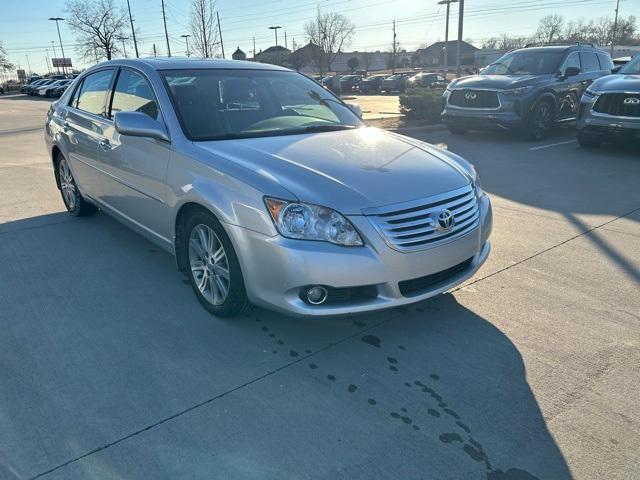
x: 267, y: 188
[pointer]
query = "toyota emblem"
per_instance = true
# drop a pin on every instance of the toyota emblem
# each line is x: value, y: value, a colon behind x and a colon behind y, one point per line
x: 632, y: 101
x: 446, y: 221
x: 470, y: 95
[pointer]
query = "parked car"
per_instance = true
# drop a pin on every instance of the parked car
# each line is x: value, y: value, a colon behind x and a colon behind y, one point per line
x: 33, y: 88
x: 394, y: 83
x: 58, y: 91
x: 610, y: 108
x: 266, y: 187
x: 350, y: 83
x: 372, y: 84
x: 527, y: 89
x: 48, y: 89
x: 1, y: 90
x: 620, y: 61
x: 25, y: 88
x: 427, y: 80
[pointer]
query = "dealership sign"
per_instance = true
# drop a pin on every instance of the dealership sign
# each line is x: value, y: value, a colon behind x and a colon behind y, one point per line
x: 61, y: 62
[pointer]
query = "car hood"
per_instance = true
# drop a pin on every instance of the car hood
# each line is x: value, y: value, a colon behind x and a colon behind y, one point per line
x: 619, y: 82
x: 347, y: 170
x: 498, y: 82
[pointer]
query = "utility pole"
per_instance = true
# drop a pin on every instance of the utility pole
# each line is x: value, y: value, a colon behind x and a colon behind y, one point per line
x: 124, y: 50
x: 254, y: 47
x: 285, y: 39
x: 57, y: 19
x: 133, y: 30
x: 166, y: 34
x: 155, y: 53
x: 55, y: 55
x: 186, y: 38
x: 460, y: 29
x: 393, y: 59
x: 28, y: 64
x: 47, y: 57
x: 615, y: 27
x: 220, y: 33
x: 446, y: 33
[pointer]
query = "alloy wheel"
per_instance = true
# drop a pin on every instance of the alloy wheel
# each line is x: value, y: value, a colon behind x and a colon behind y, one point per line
x: 67, y: 185
x: 541, y: 118
x: 209, y: 264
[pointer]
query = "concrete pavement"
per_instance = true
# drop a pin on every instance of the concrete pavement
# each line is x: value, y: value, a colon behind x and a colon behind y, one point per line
x: 111, y: 369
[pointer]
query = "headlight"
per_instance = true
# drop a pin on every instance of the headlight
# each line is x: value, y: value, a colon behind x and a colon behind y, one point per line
x: 312, y: 222
x: 518, y: 91
x: 588, y: 93
x: 477, y: 185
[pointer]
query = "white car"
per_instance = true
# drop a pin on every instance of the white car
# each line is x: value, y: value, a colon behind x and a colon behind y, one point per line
x: 45, y: 89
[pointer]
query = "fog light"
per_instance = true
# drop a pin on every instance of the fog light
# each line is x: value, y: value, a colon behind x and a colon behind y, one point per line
x: 316, y: 295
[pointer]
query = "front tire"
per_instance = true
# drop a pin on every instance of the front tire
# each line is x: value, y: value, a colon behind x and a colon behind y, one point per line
x: 212, y: 266
x: 587, y: 141
x: 540, y: 121
x: 71, y: 196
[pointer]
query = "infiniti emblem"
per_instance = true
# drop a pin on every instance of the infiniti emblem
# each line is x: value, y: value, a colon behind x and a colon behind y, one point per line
x: 632, y: 101
x: 445, y: 221
x: 470, y: 95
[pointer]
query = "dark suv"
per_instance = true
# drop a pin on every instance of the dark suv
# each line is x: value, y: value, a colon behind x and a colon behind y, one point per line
x: 610, y: 108
x: 527, y: 89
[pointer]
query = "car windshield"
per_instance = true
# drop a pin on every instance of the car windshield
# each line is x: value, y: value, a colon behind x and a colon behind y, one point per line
x: 216, y: 104
x: 631, y: 68
x: 526, y: 63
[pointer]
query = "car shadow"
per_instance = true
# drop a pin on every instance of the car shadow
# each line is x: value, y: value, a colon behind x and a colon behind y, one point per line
x: 103, y: 340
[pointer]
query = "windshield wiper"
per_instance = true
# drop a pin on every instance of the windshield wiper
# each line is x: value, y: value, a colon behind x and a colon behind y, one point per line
x: 326, y: 128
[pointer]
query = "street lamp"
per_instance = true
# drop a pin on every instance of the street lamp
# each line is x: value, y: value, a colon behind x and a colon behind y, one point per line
x: 57, y: 19
x: 275, y: 30
x: 186, y: 39
x: 446, y: 33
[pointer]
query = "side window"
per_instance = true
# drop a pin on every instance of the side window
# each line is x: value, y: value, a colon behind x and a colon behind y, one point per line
x: 74, y: 99
x: 605, y: 61
x: 133, y: 94
x: 94, y: 91
x: 573, y: 60
x: 589, y: 62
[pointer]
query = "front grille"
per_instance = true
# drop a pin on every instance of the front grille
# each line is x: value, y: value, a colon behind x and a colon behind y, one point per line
x: 474, y: 99
x: 417, y: 286
x: 614, y: 104
x: 339, y: 296
x: 415, y: 226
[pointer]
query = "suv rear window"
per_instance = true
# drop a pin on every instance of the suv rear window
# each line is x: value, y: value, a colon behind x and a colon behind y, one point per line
x: 589, y: 62
x: 605, y: 61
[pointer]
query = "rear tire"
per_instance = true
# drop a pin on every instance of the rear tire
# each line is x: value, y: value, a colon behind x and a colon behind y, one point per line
x: 212, y: 266
x: 71, y: 196
x: 587, y: 141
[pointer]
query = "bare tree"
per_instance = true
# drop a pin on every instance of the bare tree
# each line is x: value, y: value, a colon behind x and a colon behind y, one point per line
x: 504, y: 42
x: 203, y: 27
x: 99, y: 26
x: 550, y: 29
x: 5, y: 64
x: 331, y: 32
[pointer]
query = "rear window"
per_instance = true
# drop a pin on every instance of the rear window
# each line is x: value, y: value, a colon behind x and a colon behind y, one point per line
x: 605, y: 61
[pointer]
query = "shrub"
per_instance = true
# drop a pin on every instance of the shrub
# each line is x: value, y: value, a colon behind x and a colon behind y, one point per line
x: 423, y: 104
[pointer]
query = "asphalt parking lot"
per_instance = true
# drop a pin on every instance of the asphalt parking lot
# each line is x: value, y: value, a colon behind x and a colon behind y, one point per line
x: 111, y: 369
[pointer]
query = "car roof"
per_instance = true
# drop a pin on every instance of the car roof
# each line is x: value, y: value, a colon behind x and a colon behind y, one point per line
x: 190, y: 63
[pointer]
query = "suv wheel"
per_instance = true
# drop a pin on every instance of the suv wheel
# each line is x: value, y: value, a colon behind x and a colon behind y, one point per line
x: 213, y: 267
x: 588, y: 141
x: 76, y: 205
x: 539, y: 121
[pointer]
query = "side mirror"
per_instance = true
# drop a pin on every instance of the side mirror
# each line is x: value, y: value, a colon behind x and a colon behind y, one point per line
x: 136, y: 124
x: 355, y: 108
x: 571, y: 72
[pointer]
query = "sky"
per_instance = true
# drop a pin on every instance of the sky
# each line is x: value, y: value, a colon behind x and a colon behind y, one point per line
x: 26, y: 33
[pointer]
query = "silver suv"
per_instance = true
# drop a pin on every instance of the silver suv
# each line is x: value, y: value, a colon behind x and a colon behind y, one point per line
x: 610, y: 108
x: 267, y: 188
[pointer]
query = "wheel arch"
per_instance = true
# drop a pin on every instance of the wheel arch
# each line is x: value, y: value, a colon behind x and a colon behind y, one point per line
x: 546, y: 96
x: 56, y: 152
x: 184, y: 212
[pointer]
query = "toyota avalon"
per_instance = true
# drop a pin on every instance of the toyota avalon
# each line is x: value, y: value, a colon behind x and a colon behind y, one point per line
x: 267, y: 188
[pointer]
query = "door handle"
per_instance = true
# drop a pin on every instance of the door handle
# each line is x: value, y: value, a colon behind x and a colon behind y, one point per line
x: 65, y: 126
x: 105, y: 145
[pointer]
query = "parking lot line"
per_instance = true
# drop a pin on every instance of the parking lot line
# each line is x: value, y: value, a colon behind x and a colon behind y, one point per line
x: 552, y: 145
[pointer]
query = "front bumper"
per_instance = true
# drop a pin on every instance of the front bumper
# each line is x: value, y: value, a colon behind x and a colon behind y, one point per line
x: 607, y: 127
x: 276, y: 268
x: 507, y: 116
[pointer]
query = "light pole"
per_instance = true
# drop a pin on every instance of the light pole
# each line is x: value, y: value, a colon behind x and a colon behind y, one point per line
x: 57, y: 19
x: 186, y: 39
x: 446, y: 33
x: 275, y: 30
x: 615, y: 27
x: 460, y: 29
